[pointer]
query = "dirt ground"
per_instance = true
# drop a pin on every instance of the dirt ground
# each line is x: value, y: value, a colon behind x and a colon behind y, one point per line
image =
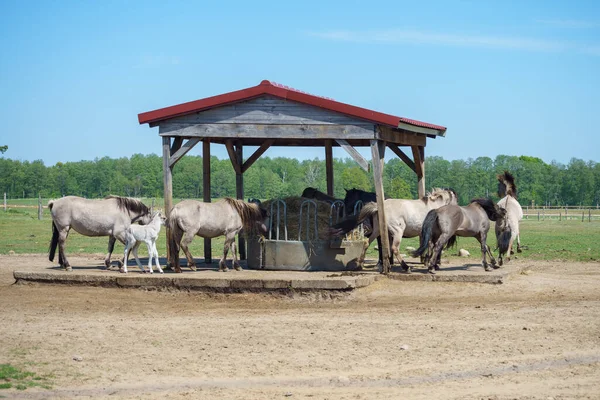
x: 536, y: 336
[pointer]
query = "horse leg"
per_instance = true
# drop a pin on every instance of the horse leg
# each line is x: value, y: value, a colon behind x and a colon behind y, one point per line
x: 128, y: 247
x: 155, y: 253
x: 436, y: 253
x: 185, y: 242
x: 518, y: 243
x: 223, y: 261
x: 485, y: 251
x: 111, y: 247
x: 62, y: 257
x: 235, y: 262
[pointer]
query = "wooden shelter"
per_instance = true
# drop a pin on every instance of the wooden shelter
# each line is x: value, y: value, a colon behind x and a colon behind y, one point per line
x: 271, y: 114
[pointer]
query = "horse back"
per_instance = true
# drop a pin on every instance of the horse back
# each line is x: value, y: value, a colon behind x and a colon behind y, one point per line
x: 89, y: 217
x: 207, y: 220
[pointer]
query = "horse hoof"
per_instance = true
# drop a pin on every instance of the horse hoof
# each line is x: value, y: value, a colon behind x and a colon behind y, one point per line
x: 238, y: 268
x: 431, y: 271
x: 68, y: 269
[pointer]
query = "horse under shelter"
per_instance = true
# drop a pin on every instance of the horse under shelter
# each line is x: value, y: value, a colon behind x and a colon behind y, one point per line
x: 271, y: 114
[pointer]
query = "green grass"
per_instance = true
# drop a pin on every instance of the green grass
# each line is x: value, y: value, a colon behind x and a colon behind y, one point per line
x: 22, y: 233
x: 571, y: 240
x: 12, y: 377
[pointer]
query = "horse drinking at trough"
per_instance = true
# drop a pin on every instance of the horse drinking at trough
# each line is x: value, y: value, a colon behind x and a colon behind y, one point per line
x: 507, y: 190
x: 209, y: 220
x: 404, y: 219
x: 442, y: 225
x: 110, y: 216
x: 136, y: 234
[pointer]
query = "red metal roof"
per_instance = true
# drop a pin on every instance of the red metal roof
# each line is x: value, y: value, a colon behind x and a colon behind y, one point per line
x: 284, y: 92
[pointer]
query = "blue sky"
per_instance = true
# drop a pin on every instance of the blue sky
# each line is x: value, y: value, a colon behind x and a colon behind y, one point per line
x: 505, y: 77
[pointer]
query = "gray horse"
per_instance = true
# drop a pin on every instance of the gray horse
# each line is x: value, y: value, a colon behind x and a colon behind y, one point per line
x: 209, y: 220
x: 443, y: 225
x: 404, y: 219
x: 514, y: 213
x: 110, y: 216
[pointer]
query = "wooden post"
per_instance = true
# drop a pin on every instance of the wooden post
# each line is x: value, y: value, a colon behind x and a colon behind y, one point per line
x: 419, y: 158
x: 4, y: 201
x: 206, y: 193
x: 167, y: 187
x: 152, y: 206
x: 239, y: 192
x: 329, y: 166
x: 589, y: 215
x: 40, y: 210
x: 377, y: 152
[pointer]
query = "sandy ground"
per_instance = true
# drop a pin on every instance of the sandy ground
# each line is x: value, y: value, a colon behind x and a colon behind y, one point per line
x: 536, y: 336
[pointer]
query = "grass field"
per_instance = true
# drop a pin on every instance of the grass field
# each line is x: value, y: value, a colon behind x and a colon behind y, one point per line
x: 22, y: 233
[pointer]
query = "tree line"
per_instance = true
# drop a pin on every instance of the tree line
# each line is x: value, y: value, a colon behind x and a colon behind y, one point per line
x: 577, y: 183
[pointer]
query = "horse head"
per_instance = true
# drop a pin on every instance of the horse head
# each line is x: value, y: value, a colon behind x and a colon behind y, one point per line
x: 506, y: 185
x: 442, y: 196
x: 354, y: 195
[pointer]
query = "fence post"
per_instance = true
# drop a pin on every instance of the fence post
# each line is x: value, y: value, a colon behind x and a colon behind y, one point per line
x: 538, y: 215
x: 152, y: 208
x: 582, y: 216
x: 40, y: 207
x: 589, y: 215
x: 4, y: 201
x: 560, y: 216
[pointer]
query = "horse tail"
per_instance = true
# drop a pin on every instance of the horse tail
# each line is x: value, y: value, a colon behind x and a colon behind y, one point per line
x: 248, y: 212
x: 352, y: 221
x: 451, y: 242
x: 174, y: 235
x: 503, y: 240
x: 53, y: 242
x: 492, y: 210
x: 426, y: 232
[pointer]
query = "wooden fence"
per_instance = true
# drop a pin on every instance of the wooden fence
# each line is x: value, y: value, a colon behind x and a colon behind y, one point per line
x: 566, y: 213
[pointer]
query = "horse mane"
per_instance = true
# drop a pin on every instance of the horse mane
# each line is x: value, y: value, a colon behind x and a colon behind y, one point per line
x: 506, y: 185
x: 248, y: 212
x: 127, y: 203
x: 491, y: 209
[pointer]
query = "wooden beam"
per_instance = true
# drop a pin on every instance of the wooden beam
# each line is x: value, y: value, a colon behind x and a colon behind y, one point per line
x: 398, y: 137
x: 239, y: 191
x: 265, y: 131
x: 206, y: 193
x: 182, y: 151
x: 329, y: 166
x: 233, y: 157
x: 420, y: 129
x: 402, y: 156
x: 167, y: 186
x: 364, y: 164
x: 377, y: 152
x: 177, y: 141
x: 419, y: 157
x: 259, y: 152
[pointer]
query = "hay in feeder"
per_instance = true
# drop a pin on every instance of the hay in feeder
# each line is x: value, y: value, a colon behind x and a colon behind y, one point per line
x: 293, y: 205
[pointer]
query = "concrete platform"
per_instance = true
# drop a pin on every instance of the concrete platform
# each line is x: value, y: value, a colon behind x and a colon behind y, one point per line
x: 90, y: 271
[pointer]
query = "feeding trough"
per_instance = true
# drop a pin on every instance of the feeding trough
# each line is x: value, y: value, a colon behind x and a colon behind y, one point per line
x: 298, y: 238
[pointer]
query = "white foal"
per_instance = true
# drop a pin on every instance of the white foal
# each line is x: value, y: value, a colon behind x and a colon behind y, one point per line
x: 148, y: 234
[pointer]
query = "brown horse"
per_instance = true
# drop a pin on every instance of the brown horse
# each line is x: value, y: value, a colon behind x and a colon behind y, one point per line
x: 208, y: 220
x: 110, y: 216
x: 441, y: 227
